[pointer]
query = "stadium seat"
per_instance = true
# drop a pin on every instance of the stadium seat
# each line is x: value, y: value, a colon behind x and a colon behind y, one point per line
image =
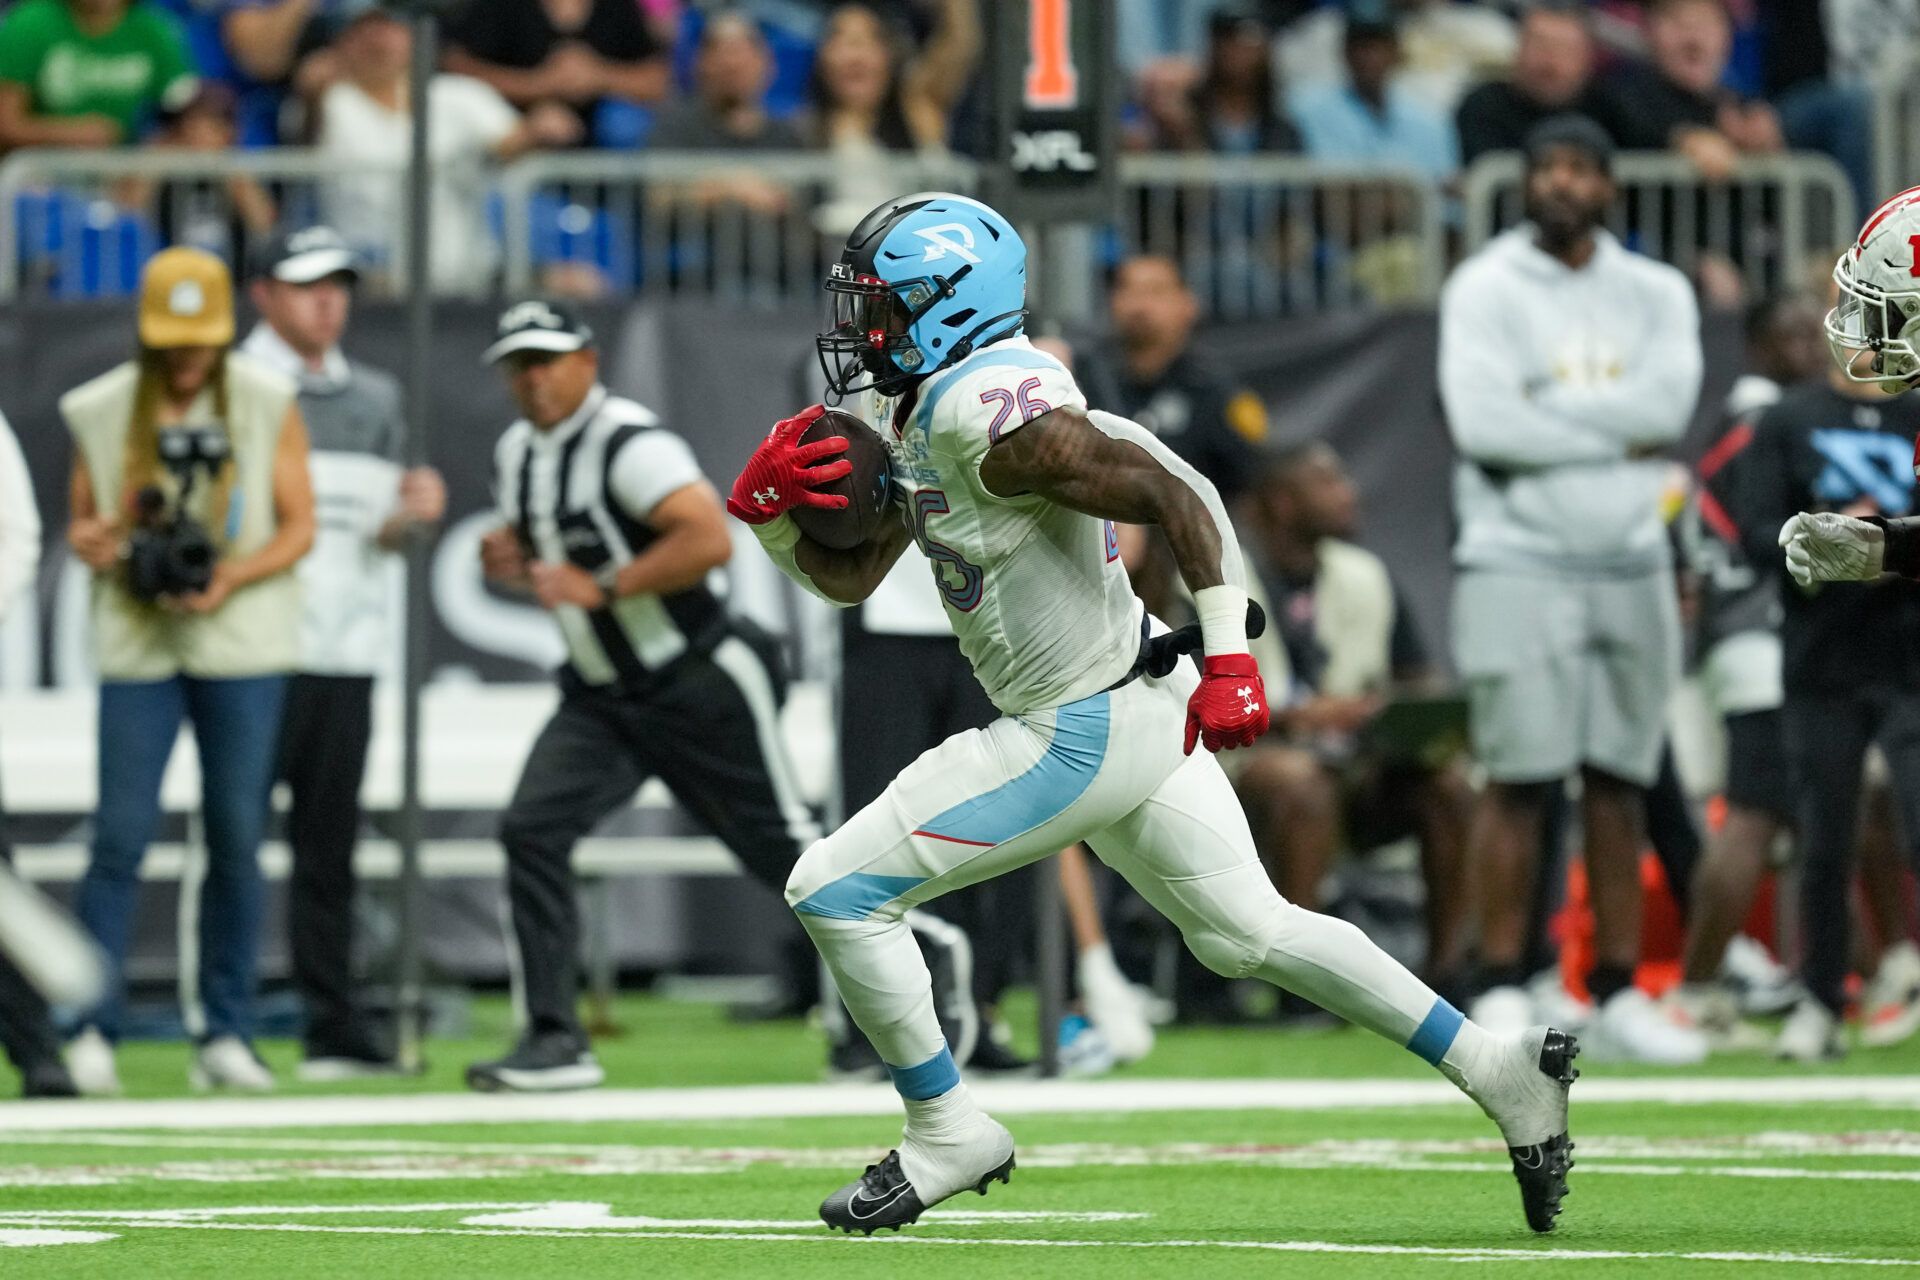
x: 570, y: 231
x: 82, y: 246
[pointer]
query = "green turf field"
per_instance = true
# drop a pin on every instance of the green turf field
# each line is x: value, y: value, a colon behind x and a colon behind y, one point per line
x: 1304, y: 1184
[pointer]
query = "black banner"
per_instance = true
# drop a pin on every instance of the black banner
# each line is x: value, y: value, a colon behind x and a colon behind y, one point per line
x: 720, y: 377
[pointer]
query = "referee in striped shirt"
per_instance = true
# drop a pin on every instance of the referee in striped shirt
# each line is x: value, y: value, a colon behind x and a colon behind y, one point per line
x: 607, y: 520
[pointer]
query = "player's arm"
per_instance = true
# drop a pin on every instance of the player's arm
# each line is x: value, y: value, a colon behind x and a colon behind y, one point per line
x: 1901, y: 554
x: 784, y: 474
x: 1113, y: 469
x: 841, y: 578
x: 849, y: 577
x: 1108, y: 467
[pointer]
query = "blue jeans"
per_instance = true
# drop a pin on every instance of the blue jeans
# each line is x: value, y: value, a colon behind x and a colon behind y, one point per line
x: 236, y: 724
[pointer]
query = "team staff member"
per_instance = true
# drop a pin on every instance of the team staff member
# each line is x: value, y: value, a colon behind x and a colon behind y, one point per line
x: 1565, y: 361
x: 1152, y: 374
x: 1851, y: 655
x: 217, y: 655
x: 608, y: 521
x: 366, y: 504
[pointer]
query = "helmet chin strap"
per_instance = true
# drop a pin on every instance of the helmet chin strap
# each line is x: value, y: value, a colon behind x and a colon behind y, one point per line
x: 964, y: 348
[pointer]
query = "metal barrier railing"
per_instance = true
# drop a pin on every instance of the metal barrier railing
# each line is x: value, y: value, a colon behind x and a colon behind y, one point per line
x: 1259, y: 236
x: 746, y: 227
x: 77, y: 223
x: 1256, y: 236
x: 1777, y: 221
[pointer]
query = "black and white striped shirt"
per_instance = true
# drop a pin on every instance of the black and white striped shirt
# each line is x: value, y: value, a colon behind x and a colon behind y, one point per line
x: 582, y: 492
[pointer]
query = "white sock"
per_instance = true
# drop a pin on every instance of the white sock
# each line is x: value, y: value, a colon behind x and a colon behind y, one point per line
x: 939, y: 1119
x: 1466, y: 1059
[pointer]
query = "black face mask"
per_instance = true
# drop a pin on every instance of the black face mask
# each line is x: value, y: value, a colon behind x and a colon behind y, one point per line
x: 868, y: 339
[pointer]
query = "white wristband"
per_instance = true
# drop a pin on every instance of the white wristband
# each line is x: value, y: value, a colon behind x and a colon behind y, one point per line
x: 777, y: 534
x: 1223, y: 619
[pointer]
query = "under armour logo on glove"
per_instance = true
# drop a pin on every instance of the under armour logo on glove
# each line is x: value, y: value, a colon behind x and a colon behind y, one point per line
x: 1229, y: 709
x: 783, y: 465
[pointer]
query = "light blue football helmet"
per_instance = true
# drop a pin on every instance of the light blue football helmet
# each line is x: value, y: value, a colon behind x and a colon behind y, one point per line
x: 924, y: 281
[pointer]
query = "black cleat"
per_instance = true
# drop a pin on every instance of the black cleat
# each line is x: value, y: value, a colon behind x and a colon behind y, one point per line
x: 882, y: 1198
x: 1542, y: 1168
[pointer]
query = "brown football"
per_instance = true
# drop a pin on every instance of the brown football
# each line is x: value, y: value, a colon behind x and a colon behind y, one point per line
x: 868, y: 487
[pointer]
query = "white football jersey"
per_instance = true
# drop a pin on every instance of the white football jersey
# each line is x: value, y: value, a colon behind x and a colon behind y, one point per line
x: 1035, y: 592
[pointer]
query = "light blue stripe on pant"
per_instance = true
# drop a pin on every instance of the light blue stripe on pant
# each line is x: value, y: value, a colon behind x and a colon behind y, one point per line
x: 1046, y: 790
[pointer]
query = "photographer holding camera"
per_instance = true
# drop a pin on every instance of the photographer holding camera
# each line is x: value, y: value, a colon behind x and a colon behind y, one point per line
x: 191, y: 502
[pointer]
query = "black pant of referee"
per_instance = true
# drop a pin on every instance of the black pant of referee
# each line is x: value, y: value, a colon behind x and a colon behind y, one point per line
x: 26, y: 1028
x: 324, y: 733
x: 708, y: 728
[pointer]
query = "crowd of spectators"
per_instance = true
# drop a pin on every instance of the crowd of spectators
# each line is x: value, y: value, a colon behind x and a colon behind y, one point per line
x: 1427, y: 85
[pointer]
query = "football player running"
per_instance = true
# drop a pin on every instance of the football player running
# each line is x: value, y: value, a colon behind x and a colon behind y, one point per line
x: 1873, y: 330
x: 1011, y: 484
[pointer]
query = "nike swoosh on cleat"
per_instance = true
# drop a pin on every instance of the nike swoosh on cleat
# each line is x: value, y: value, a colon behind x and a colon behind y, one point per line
x: 879, y: 1206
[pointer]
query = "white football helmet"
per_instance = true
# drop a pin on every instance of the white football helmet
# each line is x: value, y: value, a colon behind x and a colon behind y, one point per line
x: 1875, y: 327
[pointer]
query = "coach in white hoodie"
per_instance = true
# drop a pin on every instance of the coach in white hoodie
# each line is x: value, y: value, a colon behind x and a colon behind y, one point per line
x: 1567, y: 363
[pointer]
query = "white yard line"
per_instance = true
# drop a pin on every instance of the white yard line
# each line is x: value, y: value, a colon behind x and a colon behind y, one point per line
x: 1891, y: 1144
x: 751, y: 1102
x: 1821, y: 1156
x: 820, y: 1237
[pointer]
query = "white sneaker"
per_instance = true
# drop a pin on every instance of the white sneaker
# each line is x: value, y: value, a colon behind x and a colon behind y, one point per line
x: 1765, y: 986
x: 1630, y: 1027
x: 1504, y: 1012
x: 1159, y: 1011
x: 90, y: 1063
x: 1523, y: 1089
x: 228, y: 1062
x: 1890, y: 1009
x: 1811, y: 1034
x: 1084, y: 1051
x: 1712, y: 1009
x: 1556, y: 1006
x: 1112, y: 1006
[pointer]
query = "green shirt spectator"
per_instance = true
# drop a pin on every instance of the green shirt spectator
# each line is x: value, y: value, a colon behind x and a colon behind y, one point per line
x: 87, y: 72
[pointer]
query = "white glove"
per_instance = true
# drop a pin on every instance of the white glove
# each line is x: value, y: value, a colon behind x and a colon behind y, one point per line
x: 1829, y: 547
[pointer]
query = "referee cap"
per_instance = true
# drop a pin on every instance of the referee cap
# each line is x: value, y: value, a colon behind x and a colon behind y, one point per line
x: 538, y: 325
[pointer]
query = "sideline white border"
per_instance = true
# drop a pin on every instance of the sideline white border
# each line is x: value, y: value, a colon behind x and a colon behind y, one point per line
x: 1022, y: 1097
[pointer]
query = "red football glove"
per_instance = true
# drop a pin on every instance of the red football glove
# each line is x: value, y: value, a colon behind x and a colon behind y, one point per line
x: 1229, y: 709
x: 782, y: 472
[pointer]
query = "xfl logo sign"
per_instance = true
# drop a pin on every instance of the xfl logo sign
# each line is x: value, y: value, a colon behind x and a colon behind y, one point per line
x: 1050, y: 151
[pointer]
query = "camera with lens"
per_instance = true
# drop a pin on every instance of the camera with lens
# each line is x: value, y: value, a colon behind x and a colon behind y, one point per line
x: 169, y: 553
